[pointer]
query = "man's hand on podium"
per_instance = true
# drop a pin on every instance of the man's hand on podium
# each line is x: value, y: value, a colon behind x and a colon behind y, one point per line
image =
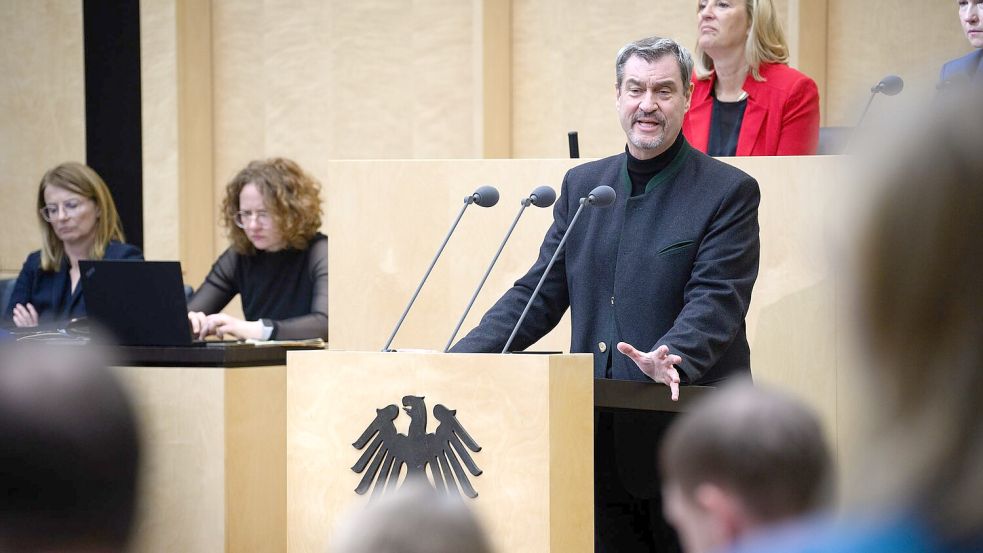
x: 658, y: 365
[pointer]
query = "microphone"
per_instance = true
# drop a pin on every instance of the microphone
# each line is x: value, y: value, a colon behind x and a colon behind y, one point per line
x: 543, y: 196
x: 889, y: 86
x: 573, y: 144
x: 484, y: 196
x: 602, y: 196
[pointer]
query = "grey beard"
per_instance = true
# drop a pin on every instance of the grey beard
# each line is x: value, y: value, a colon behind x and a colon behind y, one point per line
x: 648, y: 144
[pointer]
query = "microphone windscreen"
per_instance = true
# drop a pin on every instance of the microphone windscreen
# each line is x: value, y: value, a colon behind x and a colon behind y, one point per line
x: 486, y: 196
x: 601, y: 196
x: 543, y: 196
x: 891, y: 85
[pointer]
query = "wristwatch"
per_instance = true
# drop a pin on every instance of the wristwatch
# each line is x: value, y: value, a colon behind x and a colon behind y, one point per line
x: 269, y: 327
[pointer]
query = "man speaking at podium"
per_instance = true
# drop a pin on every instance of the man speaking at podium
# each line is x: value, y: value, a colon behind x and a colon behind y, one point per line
x: 667, y: 268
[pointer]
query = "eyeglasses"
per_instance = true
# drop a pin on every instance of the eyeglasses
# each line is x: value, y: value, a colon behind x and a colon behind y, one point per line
x: 71, y: 208
x: 261, y: 218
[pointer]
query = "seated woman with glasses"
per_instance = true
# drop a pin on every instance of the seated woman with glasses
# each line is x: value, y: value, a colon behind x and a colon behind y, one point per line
x: 78, y: 221
x: 278, y: 261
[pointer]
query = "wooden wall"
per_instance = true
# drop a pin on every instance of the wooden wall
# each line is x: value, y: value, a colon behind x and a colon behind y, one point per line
x: 42, y: 111
x: 227, y: 81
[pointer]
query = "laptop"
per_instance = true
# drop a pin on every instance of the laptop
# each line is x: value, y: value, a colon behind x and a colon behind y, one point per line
x: 141, y: 303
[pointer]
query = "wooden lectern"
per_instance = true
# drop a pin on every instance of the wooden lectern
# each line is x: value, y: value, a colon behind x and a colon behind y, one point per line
x: 531, y: 415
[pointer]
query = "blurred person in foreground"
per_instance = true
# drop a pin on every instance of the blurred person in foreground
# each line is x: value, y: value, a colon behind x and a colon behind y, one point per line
x: 968, y: 68
x: 412, y: 519
x: 918, y: 485
x: 78, y: 221
x: 278, y: 261
x: 744, y: 459
x: 71, y: 452
x: 747, y: 101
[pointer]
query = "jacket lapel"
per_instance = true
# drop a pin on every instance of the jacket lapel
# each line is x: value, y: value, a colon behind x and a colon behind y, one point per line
x: 59, y: 289
x: 751, y: 126
x: 701, y: 111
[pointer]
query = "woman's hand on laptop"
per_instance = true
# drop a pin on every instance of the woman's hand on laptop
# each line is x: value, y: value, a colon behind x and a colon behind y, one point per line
x: 199, y: 324
x: 226, y: 326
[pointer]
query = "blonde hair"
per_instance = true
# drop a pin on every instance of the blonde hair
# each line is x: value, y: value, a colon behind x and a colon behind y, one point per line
x: 80, y: 179
x: 765, y: 41
x: 292, y: 197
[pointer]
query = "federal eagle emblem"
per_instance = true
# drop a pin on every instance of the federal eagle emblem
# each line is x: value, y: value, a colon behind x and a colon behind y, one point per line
x: 442, y: 451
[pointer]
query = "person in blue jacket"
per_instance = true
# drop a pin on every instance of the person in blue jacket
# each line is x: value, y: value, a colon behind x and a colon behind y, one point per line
x: 968, y: 68
x: 78, y: 221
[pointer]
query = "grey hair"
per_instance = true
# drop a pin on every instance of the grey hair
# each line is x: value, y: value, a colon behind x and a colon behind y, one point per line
x: 651, y: 49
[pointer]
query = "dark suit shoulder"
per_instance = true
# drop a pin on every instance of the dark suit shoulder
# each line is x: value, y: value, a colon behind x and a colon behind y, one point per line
x: 120, y: 250
x: 591, y: 170
x: 33, y: 260
x: 717, y: 174
x: 962, y: 65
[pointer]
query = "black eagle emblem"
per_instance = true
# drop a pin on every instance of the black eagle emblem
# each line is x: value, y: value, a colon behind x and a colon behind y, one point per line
x: 443, y: 451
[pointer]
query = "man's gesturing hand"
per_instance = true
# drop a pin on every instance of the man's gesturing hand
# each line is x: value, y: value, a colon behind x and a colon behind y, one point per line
x: 658, y: 365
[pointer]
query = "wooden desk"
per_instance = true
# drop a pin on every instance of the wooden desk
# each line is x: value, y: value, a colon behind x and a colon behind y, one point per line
x: 214, y: 448
x: 215, y: 445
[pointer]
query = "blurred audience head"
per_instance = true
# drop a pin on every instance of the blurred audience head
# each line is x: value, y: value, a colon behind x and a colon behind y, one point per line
x: 413, y: 519
x: 742, y: 460
x: 75, y: 206
x: 270, y: 205
x: 751, y: 27
x: 920, y: 307
x: 71, y: 452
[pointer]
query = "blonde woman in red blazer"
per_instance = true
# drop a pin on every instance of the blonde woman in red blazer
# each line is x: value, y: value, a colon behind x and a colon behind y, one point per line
x: 763, y: 107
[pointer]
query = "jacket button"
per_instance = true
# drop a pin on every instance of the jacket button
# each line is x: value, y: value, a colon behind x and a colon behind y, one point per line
x: 602, y: 346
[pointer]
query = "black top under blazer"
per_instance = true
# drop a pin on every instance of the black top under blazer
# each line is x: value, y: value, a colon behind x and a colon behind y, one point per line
x: 672, y: 266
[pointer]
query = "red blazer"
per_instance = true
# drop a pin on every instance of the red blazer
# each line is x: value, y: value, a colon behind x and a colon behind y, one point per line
x: 781, y: 118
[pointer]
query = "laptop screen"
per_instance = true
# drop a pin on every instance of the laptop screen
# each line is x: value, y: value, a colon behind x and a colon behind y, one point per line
x: 141, y: 303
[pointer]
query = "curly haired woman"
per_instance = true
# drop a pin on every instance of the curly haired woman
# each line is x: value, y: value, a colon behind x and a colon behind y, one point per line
x: 278, y: 261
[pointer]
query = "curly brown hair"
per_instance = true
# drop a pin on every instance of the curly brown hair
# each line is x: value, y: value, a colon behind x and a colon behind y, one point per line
x: 292, y: 196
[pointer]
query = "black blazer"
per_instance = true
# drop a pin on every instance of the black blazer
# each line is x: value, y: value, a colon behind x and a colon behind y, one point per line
x: 50, y: 291
x: 672, y: 266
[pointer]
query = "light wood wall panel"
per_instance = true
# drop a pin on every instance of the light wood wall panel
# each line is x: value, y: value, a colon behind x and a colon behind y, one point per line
x: 385, y: 222
x: 868, y: 40
x: 183, y: 466
x: 213, y: 459
x: 176, y: 97
x: 42, y: 111
x: 159, y: 113
x: 321, y: 80
x: 563, y: 67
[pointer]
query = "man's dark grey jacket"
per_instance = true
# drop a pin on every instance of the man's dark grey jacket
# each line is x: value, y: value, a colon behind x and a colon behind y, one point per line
x: 672, y: 266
